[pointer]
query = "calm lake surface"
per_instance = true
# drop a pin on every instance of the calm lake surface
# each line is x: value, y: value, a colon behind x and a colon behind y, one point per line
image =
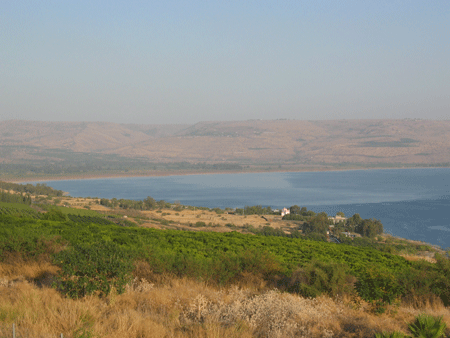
x: 411, y: 203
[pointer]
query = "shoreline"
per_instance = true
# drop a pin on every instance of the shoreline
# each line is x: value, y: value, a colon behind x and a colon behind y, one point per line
x: 132, y: 175
x: 161, y: 174
x: 94, y: 176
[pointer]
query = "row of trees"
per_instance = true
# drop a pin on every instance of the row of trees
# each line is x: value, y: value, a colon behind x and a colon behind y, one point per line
x: 299, y: 214
x: 365, y: 227
x: 320, y: 224
x: 369, y: 228
x: 255, y: 210
x: 296, y: 210
x: 148, y: 203
x: 15, y: 198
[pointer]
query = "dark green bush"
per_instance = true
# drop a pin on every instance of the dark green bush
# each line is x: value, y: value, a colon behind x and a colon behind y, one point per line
x: 200, y: 224
x: 426, y: 326
x: 24, y: 241
x: 295, y: 217
x: 269, y: 231
x: 220, y: 269
x: 442, y: 283
x: 218, y: 211
x: 425, y: 279
x: 379, y: 287
x: 92, y: 268
x: 54, y: 215
x: 315, y: 236
x: 317, y: 278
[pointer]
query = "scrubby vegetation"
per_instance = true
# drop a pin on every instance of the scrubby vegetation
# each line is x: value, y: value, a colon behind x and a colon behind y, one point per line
x: 255, y: 210
x: 424, y: 326
x: 222, y: 258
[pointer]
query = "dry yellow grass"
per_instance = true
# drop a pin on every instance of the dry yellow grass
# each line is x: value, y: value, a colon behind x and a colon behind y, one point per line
x: 415, y: 258
x: 186, y: 216
x: 26, y: 270
x: 173, y: 307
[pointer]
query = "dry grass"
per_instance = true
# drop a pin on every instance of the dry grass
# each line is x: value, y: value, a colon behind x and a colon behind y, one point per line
x: 415, y: 258
x: 190, y: 216
x: 173, y: 307
x: 185, y: 218
x: 14, y: 268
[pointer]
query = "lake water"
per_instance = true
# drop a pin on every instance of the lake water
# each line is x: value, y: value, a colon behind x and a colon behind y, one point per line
x: 411, y: 203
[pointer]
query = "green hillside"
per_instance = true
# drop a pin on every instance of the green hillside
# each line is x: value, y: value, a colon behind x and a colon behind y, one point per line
x: 102, y: 256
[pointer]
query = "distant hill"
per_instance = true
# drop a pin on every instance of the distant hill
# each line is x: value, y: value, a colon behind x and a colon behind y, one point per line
x: 249, y: 144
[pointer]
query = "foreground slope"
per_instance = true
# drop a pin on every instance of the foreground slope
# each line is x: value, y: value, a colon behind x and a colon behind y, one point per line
x: 87, y: 273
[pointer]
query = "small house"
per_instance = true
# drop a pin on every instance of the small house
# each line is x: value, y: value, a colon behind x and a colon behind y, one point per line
x: 285, y: 211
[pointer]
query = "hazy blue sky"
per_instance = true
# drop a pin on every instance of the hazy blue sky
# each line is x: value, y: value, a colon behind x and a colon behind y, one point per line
x: 189, y: 61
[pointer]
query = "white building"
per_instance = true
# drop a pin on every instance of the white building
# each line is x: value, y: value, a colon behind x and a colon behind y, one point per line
x: 285, y: 211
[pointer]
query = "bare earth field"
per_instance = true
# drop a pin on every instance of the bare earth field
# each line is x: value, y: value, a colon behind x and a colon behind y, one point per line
x: 80, y: 149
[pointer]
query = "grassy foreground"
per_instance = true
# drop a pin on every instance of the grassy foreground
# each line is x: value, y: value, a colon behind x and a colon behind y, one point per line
x: 182, y: 307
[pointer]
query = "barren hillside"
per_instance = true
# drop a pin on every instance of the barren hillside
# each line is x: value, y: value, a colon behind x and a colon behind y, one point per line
x: 247, y: 143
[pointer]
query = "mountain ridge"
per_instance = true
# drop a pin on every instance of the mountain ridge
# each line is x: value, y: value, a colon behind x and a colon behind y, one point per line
x: 368, y: 143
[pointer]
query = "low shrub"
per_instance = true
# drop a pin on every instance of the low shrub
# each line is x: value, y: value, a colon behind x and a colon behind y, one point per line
x: 88, y: 269
x: 426, y: 280
x: 218, y: 211
x: 25, y: 242
x: 318, y: 277
x: 379, y: 288
x: 54, y: 215
x: 426, y: 326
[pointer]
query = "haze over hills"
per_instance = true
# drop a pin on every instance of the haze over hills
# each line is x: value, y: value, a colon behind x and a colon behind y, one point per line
x: 292, y: 144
